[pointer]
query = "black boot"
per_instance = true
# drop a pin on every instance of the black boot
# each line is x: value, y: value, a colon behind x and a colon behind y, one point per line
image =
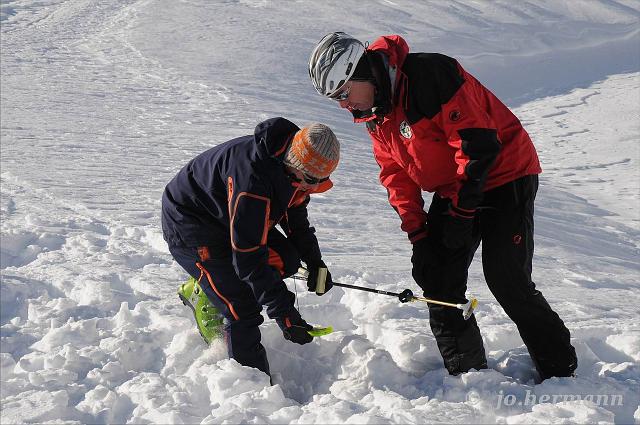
x: 459, y: 341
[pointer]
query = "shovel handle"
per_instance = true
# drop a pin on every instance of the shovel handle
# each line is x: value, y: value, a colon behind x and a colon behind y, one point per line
x: 430, y: 301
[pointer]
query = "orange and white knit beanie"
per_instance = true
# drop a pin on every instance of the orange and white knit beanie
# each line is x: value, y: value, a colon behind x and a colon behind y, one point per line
x: 314, y: 150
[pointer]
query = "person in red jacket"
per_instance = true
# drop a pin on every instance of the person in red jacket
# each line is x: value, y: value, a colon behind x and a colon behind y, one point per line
x: 435, y: 128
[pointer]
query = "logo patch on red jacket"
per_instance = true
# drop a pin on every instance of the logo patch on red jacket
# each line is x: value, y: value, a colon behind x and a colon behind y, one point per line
x: 405, y: 130
x: 454, y: 115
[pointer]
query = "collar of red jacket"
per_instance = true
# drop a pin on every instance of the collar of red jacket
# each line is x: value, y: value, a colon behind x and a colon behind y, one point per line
x: 393, y: 46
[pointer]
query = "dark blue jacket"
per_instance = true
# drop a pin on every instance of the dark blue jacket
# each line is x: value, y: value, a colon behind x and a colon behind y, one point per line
x: 229, y: 197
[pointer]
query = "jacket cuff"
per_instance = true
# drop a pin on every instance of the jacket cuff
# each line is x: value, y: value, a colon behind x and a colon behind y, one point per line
x: 291, y: 318
x: 418, y: 234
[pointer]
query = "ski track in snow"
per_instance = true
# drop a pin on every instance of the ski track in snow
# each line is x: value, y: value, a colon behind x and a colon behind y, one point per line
x: 102, y: 102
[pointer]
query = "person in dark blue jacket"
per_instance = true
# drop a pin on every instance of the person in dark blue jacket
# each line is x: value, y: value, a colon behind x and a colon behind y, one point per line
x: 219, y: 215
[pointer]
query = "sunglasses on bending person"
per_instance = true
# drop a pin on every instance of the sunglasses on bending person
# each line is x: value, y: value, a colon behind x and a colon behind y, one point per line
x: 307, y: 179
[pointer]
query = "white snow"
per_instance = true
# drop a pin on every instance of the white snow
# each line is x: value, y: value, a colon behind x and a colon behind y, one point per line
x: 102, y: 102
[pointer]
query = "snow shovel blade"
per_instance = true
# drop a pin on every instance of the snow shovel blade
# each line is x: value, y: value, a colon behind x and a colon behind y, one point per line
x: 317, y: 331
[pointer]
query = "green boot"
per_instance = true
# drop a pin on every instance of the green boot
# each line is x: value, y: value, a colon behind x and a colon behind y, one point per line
x: 208, y: 319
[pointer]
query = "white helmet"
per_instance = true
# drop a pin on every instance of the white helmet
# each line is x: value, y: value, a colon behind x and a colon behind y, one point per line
x: 333, y: 62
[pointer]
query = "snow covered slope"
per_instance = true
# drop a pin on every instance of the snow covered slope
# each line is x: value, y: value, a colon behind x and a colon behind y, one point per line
x: 103, y: 101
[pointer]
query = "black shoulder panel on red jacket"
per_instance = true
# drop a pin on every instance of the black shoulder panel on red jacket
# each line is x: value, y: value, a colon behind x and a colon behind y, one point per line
x: 433, y: 80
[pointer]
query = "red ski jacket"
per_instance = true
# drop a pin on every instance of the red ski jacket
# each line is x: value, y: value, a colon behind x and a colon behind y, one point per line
x: 445, y: 133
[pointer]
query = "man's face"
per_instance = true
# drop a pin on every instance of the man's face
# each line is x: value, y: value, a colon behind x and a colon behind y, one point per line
x: 361, y: 94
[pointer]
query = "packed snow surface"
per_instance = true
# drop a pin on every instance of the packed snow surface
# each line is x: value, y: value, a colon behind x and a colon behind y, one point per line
x: 103, y: 101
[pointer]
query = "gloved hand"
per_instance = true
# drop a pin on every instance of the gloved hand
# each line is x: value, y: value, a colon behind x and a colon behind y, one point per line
x: 422, y: 258
x: 458, y: 228
x: 294, y: 328
x: 312, y: 278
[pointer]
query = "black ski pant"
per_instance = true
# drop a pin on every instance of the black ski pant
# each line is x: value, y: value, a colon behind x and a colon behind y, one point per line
x: 504, y: 225
x: 234, y: 298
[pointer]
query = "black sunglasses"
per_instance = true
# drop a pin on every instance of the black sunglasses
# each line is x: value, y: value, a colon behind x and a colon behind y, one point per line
x: 314, y: 180
x: 343, y: 95
x: 307, y: 178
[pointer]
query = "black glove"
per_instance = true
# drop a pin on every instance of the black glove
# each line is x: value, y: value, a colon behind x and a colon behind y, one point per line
x: 294, y: 328
x: 458, y: 228
x: 422, y: 258
x: 312, y: 278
